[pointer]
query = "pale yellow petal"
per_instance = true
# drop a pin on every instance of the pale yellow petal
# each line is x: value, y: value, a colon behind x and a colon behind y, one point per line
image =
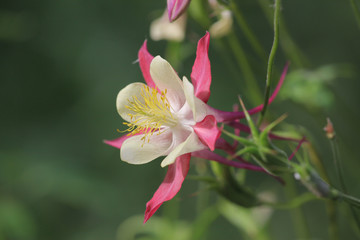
x: 135, y: 151
x: 165, y: 78
x: 128, y: 93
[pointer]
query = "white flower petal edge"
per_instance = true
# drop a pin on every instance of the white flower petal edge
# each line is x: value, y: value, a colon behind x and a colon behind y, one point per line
x: 191, y: 144
x: 128, y: 93
x: 165, y: 78
x: 135, y: 151
x: 197, y: 106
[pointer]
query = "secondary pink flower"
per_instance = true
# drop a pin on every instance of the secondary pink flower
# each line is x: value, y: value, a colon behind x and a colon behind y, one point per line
x: 167, y: 117
x: 176, y: 7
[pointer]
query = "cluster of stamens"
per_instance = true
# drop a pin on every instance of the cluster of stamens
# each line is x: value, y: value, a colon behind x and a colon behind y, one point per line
x: 149, y: 113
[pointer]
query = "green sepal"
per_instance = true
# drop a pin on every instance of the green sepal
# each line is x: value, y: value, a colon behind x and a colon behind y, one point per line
x: 241, y: 140
x: 264, y: 134
x: 254, y: 131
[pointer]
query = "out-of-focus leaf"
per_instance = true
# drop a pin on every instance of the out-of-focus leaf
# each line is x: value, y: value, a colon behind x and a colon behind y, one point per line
x: 311, y: 87
x: 251, y: 222
x: 16, y: 221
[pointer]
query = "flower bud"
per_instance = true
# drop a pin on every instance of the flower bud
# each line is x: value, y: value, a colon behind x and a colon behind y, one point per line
x: 329, y: 129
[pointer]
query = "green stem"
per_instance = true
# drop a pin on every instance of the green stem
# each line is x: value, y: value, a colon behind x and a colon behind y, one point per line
x: 203, y: 197
x: 271, y: 58
x: 173, y: 53
x: 338, y: 167
x: 330, y: 204
x: 339, y: 172
x: 289, y: 46
x: 255, y: 44
x: 333, y: 227
x: 353, y: 201
x: 356, y: 11
x: 244, y: 65
x: 296, y: 213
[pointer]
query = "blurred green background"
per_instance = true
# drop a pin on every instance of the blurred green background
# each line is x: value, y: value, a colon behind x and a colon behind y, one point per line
x: 62, y: 64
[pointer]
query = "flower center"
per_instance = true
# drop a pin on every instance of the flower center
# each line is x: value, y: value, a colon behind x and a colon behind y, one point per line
x: 151, y: 111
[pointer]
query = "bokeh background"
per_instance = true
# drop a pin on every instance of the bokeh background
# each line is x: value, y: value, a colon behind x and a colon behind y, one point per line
x: 62, y: 64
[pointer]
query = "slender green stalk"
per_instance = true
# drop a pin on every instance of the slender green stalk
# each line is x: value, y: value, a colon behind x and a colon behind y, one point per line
x: 244, y: 65
x: 338, y: 166
x: 296, y: 213
x: 356, y: 11
x: 353, y: 201
x: 333, y: 226
x: 339, y: 172
x: 255, y: 43
x: 330, y: 204
x: 203, y: 197
x: 173, y: 53
x: 271, y: 58
x: 289, y: 46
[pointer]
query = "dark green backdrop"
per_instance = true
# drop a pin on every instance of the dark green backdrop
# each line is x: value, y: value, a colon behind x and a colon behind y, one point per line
x: 62, y: 64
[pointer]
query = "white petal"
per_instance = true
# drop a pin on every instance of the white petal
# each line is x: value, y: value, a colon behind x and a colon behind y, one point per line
x: 128, y: 93
x: 133, y: 151
x: 191, y: 144
x: 197, y: 106
x: 165, y: 77
x: 161, y: 28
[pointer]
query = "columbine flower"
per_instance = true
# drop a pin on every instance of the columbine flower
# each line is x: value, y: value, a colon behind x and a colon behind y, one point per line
x: 167, y: 117
x: 176, y: 8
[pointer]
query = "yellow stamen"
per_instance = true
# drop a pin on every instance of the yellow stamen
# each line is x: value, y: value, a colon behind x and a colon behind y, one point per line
x: 151, y: 111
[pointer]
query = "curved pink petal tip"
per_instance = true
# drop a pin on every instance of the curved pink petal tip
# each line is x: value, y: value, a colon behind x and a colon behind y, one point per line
x: 170, y: 186
x: 201, y: 71
x: 117, y: 142
x: 145, y: 59
x: 175, y: 8
x: 207, y: 131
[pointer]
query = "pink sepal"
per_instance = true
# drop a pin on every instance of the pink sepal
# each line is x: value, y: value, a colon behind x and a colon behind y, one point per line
x: 118, y: 141
x: 201, y: 71
x: 145, y: 59
x: 175, y: 8
x: 170, y: 186
x: 206, y: 154
x: 222, y: 116
x: 297, y: 147
x: 225, y: 146
x: 207, y: 131
x: 212, y: 156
